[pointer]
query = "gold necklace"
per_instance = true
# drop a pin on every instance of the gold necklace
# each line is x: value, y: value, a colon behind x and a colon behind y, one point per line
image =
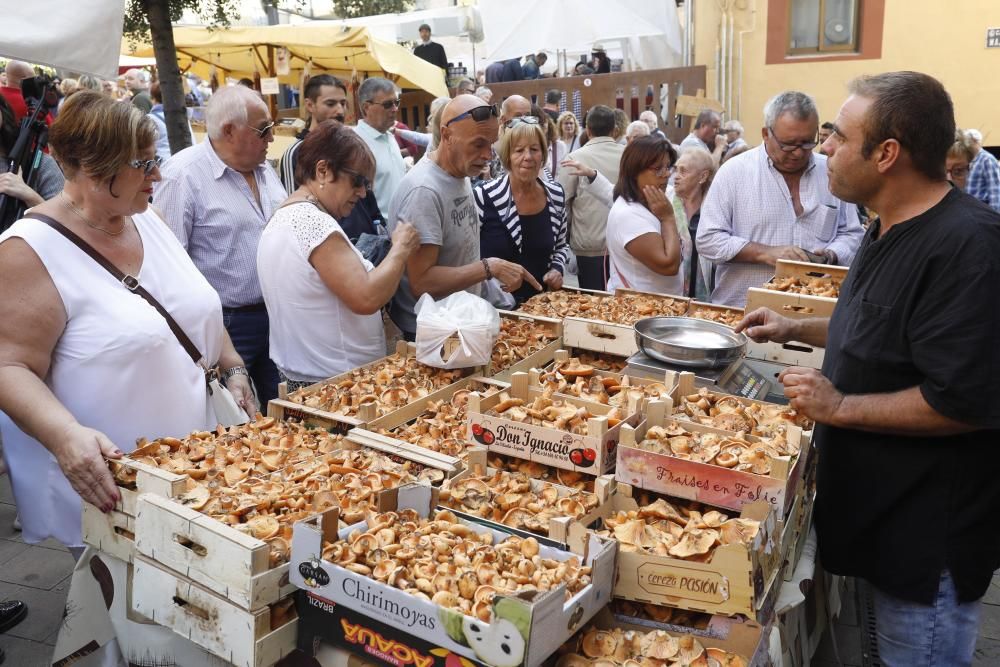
x: 73, y: 207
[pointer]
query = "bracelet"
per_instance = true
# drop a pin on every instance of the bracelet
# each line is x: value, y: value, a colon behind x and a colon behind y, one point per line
x: 489, y: 274
x: 235, y: 370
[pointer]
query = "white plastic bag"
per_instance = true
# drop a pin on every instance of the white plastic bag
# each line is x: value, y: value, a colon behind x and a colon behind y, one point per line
x: 457, y: 331
x: 493, y: 292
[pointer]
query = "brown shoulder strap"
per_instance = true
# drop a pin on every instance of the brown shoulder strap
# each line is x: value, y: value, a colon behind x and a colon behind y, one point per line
x: 130, y: 283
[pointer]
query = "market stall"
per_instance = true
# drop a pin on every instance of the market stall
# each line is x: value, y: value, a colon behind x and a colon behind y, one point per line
x: 581, y: 497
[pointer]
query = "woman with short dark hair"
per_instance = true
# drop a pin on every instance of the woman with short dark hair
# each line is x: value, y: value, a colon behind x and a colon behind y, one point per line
x: 644, y: 244
x: 323, y: 297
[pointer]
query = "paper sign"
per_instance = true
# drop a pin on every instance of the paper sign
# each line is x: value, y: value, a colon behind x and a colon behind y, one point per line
x: 281, y: 65
x: 269, y: 86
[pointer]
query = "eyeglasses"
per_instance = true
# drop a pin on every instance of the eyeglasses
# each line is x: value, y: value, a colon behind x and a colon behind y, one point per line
x: 358, y: 179
x: 147, y: 166
x: 959, y: 172
x: 263, y: 131
x: 478, y: 114
x: 790, y: 148
x: 665, y: 170
x: 527, y: 120
x: 388, y: 104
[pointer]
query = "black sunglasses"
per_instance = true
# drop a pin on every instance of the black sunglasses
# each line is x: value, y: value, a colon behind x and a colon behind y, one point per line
x: 358, y: 179
x: 478, y: 114
x: 388, y: 104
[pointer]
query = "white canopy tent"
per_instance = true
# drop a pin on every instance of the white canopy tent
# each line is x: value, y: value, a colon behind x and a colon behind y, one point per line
x: 79, y: 35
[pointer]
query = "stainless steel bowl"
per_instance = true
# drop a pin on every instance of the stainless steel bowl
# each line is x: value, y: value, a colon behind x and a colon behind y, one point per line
x: 686, y: 341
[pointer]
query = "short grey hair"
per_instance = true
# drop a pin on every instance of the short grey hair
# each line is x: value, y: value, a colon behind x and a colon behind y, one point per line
x: 800, y: 105
x: 733, y: 126
x: 228, y: 106
x: 975, y: 136
x: 482, y: 92
x: 649, y: 116
x: 437, y: 109
x: 372, y: 86
x: 637, y: 128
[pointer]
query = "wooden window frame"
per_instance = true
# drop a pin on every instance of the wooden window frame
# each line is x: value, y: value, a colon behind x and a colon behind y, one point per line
x: 868, y: 35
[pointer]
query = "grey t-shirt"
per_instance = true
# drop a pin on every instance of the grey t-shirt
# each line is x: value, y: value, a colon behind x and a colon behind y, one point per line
x: 442, y: 209
x: 49, y: 177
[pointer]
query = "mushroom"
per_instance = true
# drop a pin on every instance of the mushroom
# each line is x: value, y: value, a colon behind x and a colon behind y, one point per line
x: 598, y: 643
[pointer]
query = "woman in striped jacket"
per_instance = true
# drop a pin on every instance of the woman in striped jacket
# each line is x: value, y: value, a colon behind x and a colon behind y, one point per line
x: 521, y: 213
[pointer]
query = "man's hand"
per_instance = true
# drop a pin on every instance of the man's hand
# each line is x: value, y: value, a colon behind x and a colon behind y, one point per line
x: 511, y: 275
x: 764, y: 325
x: 829, y: 255
x: 811, y: 394
x: 658, y: 204
x: 773, y: 253
x: 720, y: 142
x: 553, y: 279
x: 579, y: 169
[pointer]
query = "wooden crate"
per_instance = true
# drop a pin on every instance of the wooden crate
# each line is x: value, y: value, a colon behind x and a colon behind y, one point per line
x: 669, y: 379
x: 598, y: 336
x: 282, y: 408
x: 112, y: 533
x: 707, y: 483
x: 244, y: 638
x: 223, y: 559
x: 737, y: 580
x: 536, y: 359
x: 797, y: 305
x: 546, y: 445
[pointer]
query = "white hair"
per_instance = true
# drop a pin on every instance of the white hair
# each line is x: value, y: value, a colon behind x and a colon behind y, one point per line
x: 800, y: 105
x: 484, y: 93
x: 228, y: 106
x: 649, y: 117
x: 637, y: 128
x: 733, y: 126
x: 975, y: 136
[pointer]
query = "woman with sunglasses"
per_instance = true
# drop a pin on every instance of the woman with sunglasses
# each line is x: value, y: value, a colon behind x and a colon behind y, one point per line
x: 644, y: 243
x: 521, y: 213
x: 324, y: 298
x: 87, y: 364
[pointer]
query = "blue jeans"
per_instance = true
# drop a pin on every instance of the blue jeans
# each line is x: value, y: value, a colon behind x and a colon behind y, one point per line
x: 251, y: 338
x: 942, y: 634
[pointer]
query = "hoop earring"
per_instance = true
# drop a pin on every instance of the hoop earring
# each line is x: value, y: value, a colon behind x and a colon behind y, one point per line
x: 111, y: 186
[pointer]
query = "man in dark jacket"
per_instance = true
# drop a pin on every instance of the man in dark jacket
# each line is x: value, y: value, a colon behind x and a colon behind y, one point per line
x: 512, y: 70
x: 430, y: 51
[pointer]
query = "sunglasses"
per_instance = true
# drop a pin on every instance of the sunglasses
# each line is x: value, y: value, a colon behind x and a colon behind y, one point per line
x: 478, y: 114
x: 789, y: 148
x: 358, y: 180
x: 527, y: 120
x: 263, y: 131
x: 388, y: 104
x: 147, y: 166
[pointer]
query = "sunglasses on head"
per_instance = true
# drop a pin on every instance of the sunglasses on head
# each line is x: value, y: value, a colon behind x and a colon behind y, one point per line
x: 388, y: 104
x: 147, y: 166
x: 527, y: 120
x: 358, y: 179
x: 478, y: 114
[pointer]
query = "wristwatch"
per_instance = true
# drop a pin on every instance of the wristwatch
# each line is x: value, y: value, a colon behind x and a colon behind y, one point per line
x: 235, y: 370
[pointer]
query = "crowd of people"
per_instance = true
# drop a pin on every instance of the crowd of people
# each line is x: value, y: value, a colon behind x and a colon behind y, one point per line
x: 301, y: 273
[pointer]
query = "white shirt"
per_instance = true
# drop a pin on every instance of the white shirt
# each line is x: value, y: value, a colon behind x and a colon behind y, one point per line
x: 116, y: 367
x: 314, y: 335
x: 749, y: 201
x: 627, y: 222
x: 389, y: 165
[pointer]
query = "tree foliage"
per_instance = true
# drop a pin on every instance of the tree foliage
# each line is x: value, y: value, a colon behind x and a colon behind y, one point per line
x: 352, y: 9
x: 215, y: 13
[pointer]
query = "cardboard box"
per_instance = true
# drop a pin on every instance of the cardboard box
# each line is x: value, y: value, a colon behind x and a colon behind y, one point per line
x: 282, y: 408
x: 738, y: 579
x: 536, y: 359
x: 707, y: 483
x: 244, y: 638
x: 594, y: 453
x: 524, y: 631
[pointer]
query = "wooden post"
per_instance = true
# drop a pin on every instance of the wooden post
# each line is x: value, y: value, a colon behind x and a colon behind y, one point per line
x: 272, y: 100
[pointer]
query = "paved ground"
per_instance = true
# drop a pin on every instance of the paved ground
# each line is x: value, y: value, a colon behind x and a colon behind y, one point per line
x: 39, y: 575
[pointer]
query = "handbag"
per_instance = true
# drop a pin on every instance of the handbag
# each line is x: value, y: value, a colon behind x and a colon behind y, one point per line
x: 227, y: 410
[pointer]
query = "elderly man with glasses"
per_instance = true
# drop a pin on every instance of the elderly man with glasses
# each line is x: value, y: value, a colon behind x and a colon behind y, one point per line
x: 217, y: 197
x: 774, y: 202
x: 436, y: 197
x: 379, y: 100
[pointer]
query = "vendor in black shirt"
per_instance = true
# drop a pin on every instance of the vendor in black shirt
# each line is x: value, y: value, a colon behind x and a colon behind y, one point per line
x: 908, y: 403
x: 521, y: 213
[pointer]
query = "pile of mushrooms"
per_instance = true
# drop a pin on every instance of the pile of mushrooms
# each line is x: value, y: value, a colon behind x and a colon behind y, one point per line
x: 664, y: 529
x: 819, y: 286
x: 632, y: 648
x: 731, y: 413
x: 728, y: 316
x: 556, y: 413
x: 518, y: 340
x: 389, y: 384
x: 442, y: 426
x: 578, y: 379
x: 448, y: 563
x: 726, y: 451
x: 625, y: 308
x: 508, y: 498
x: 660, y: 613
x: 570, y: 479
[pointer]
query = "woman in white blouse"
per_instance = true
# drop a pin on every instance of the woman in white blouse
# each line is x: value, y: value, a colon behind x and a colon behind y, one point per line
x: 643, y: 241
x: 323, y: 297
